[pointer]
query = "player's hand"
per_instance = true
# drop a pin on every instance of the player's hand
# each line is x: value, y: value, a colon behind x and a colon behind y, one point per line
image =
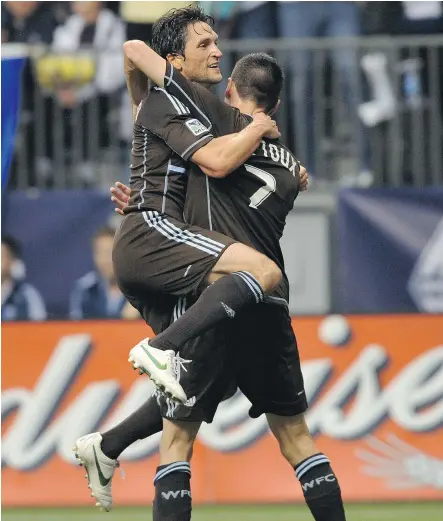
x: 120, y: 196
x: 304, y: 179
x: 267, y: 125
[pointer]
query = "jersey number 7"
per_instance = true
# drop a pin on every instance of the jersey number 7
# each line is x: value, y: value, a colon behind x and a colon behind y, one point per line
x: 260, y: 196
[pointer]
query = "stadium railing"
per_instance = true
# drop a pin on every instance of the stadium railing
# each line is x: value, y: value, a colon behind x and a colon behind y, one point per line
x: 374, y: 114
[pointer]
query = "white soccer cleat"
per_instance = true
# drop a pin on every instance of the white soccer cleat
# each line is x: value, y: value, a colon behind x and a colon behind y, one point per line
x: 160, y: 366
x: 99, y: 468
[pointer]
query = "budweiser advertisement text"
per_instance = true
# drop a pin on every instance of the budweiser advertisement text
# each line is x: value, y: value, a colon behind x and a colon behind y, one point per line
x: 375, y: 386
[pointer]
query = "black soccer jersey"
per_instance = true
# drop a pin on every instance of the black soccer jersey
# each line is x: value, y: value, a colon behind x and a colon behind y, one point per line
x: 251, y: 204
x: 165, y: 136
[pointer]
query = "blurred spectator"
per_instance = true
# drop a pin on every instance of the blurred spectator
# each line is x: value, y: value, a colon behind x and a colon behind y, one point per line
x: 243, y: 19
x: 256, y: 20
x: 96, y: 294
x: 86, y: 73
x: 27, y: 22
x: 313, y: 20
x: 415, y: 89
x: 403, y: 17
x: 140, y: 16
x: 92, y: 25
x: 31, y: 23
x: 20, y: 300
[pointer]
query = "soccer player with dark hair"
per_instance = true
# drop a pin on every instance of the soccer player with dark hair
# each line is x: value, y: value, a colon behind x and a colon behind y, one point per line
x: 251, y: 205
x: 157, y: 257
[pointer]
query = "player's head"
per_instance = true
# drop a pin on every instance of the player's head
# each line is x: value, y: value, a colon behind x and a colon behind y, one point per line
x: 186, y: 39
x: 11, y: 252
x: 259, y: 78
x: 102, y: 251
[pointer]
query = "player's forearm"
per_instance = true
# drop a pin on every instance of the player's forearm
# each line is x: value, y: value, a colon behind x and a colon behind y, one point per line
x: 137, y: 84
x: 225, y: 154
x: 235, y: 151
x: 136, y: 81
x: 146, y: 60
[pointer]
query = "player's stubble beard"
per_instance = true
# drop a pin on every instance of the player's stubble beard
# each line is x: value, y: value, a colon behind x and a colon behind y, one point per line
x: 200, y: 78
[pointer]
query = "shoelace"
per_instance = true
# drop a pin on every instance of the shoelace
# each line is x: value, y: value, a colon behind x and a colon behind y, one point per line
x: 122, y: 472
x: 178, y: 364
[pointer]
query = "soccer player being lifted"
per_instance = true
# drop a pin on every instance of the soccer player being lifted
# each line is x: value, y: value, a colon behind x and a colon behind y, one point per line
x: 251, y: 206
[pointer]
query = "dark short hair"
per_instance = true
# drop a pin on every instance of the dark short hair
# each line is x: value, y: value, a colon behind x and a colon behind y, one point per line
x: 104, y: 231
x: 13, y: 245
x: 259, y: 77
x: 169, y: 32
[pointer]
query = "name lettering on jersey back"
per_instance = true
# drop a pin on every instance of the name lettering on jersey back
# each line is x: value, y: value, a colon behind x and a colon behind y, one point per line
x: 280, y: 155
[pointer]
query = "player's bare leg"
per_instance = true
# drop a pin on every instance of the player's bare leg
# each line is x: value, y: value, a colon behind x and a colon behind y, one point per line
x: 248, y: 276
x: 239, y: 257
x: 172, y: 481
x: 312, y: 468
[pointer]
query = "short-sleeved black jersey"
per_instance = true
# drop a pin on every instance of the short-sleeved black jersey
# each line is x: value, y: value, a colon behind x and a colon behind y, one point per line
x: 251, y: 204
x: 165, y: 136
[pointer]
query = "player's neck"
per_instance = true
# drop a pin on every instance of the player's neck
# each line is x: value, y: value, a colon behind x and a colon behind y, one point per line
x: 207, y: 86
x: 246, y: 107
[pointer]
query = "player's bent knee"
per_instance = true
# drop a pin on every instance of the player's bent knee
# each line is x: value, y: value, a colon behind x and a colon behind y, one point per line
x: 239, y: 257
x: 267, y: 273
x: 272, y: 275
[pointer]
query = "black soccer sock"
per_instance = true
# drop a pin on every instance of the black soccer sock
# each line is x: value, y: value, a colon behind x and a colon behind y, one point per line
x: 220, y: 301
x: 143, y: 422
x: 172, y: 500
x: 320, y: 488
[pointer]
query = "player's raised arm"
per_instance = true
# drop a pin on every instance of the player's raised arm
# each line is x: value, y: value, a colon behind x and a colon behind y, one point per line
x: 137, y: 84
x: 146, y: 60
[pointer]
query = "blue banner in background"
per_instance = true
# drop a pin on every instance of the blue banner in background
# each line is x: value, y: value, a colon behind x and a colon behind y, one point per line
x: 11, y: 87
x: 55, y: 230
x: 390, y: 243
x: 391, y: 250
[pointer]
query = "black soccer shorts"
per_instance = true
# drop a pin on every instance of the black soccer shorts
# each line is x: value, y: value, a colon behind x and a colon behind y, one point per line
x: 257, y: 350
x: 268, y: 369
x: 158, y: 258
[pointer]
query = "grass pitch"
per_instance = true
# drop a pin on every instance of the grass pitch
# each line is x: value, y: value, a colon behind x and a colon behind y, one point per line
x: 365, y: 512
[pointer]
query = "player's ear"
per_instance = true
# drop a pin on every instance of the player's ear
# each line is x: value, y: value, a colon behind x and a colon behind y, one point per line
x: 274, y: 110
x: 228, y: 90
x: 176, y: 60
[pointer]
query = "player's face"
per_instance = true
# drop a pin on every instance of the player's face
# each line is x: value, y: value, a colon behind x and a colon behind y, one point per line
x: 102, y: 251
x: 201, y: 62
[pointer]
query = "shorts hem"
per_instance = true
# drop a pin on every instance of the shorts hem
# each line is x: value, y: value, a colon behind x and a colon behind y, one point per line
x: 192, y: 418
x: 279, y: 408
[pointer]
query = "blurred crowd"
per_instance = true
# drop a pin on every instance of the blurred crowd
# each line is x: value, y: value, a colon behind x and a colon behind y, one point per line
x: 75, y: 109
x: 95, y: 295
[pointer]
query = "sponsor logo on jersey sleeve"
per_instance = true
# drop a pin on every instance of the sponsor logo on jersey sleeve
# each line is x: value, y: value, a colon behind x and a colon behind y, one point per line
x: 196, y: 127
